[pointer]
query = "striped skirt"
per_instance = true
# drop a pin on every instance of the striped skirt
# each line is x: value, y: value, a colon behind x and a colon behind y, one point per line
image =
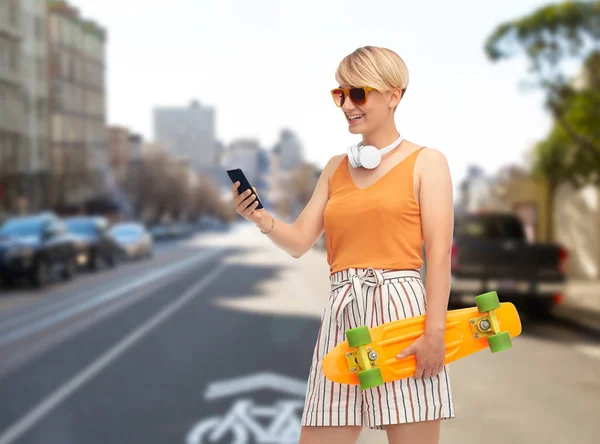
x: 372, y: 297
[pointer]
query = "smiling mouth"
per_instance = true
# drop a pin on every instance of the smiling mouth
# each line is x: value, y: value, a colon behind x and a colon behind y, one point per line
x: 355, y: 118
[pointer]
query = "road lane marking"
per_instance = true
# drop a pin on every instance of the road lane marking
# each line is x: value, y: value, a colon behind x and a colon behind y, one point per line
x: 29, y: 315
x: 259, y: 381
x: 592, y: 351
x: 23, y: 355
x: 44, y: 407
x: 26, y: 314
x: 149, y: 278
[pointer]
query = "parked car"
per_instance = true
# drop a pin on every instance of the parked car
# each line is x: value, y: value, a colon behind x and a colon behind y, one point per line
x: 211, y: 223
x: 160, y: 232
x: 36, y: 247
x: 96, y: 245
x: 490, y: 252
x: 135, y: 240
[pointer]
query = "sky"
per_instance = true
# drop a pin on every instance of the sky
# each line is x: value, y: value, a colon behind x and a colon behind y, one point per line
x: 265, y: 65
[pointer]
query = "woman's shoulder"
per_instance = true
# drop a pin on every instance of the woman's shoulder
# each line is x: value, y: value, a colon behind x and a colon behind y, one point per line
x: 332, y: 165
x: 334, y: 161
x: 430, y: 159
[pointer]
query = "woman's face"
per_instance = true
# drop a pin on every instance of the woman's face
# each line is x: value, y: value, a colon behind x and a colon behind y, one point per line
x: 365, y: 118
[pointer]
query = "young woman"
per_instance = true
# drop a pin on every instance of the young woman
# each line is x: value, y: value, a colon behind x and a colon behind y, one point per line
x: 378, y: 204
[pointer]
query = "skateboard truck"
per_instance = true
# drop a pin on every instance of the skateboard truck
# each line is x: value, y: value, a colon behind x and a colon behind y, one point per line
x: 487, y: 325
x: 361, y: 359
x: 481, y: 327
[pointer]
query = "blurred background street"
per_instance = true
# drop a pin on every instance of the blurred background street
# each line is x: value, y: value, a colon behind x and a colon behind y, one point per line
x: 215, y: 335
x: 136, y: 306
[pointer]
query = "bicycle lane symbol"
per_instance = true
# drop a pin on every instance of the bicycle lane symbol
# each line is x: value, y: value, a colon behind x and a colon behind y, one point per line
x: 247, y: 421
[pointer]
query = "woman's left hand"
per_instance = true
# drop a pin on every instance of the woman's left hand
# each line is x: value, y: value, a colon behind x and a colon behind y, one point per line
x: 430, y: 352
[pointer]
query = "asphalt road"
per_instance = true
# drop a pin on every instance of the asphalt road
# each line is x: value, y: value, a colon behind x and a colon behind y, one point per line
x: 210, y: 342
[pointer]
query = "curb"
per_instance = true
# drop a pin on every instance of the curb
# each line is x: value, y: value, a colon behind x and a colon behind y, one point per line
x: 585, y: 318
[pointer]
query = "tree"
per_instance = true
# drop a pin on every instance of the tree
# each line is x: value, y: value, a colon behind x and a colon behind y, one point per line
x: 550, y: 36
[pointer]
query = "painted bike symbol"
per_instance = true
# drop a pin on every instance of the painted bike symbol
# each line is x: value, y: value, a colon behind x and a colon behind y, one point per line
x: 246, y: 419
x: 248, y: 422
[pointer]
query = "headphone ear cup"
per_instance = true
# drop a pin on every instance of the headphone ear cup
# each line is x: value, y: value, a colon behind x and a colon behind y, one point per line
x: 370, y: 157
x: 353, y: 156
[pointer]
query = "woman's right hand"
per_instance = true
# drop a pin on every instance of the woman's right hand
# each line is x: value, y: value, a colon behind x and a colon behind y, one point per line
x: 246, y: 203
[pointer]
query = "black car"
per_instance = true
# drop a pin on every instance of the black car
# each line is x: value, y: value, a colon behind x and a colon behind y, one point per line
x: 36, y: 247
x: 96, y: 244
x: 490, y: 252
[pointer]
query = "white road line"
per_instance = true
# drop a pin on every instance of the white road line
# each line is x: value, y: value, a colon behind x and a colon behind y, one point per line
x: 27, y: 421
x: 55, y: 318
x: 592, y: 351
x: 46, y: 342
x: 260, y: 381
x: 26, y: 314
x: 34, y: 312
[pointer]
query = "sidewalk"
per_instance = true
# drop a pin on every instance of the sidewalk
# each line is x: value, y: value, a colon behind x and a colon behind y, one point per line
x: 581, y: 304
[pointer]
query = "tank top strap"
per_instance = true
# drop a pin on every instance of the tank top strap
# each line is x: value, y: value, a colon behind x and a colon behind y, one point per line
x: 407, y: 166
x: 339, y: 176
x: 415, y: 154
x: 413, y: 161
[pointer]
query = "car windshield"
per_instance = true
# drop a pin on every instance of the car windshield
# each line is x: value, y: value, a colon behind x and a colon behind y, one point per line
x: 128, y: 230
x: 79, y: 226
x: 490, y: 227
x: 21, y: 227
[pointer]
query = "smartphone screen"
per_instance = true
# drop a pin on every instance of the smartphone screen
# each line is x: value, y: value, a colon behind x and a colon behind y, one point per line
x: 237, y: 175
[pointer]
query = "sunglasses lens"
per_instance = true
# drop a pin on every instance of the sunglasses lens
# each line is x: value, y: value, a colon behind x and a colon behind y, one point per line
x: 358, y: 96
x: 338, y: 97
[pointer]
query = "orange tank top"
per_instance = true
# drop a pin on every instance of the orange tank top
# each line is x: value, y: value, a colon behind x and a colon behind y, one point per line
x: 378, y: 226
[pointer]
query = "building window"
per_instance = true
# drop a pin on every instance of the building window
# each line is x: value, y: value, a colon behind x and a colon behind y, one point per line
x: 13, y: 58
x: 72, y: 68
x: 38, y: 28
x: 54, y: 29
x: 64, y: 64
x: 57, y: 128
x: 40, y: 66
x: 13, y: 11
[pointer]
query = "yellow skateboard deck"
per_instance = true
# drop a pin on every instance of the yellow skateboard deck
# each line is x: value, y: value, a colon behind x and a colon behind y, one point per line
x: 368, y: 356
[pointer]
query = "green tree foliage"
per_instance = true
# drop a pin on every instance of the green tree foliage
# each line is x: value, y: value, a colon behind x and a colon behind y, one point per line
x: 554, y: 37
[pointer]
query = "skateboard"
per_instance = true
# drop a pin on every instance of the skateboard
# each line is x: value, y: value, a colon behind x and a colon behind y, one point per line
x: 368, y: 356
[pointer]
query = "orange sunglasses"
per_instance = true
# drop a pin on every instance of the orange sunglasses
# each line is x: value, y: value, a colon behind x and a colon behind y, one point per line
x: 358, y: 96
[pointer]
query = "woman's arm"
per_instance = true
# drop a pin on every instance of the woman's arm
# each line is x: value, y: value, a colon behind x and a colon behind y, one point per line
x: 437, y: 222
x: 297, y: 238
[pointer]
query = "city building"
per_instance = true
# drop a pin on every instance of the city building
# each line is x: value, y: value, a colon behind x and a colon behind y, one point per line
x: 244, y: 154
x: 289, y: 151
x: 135, y: 146
x: 119, y: 154
x: 475, y: 191
x: 77, y: 115
x: 286, y: 157
x: 151, y: 147
x: 188, y: 132
x: 12, y: 115
x: 32, y: 163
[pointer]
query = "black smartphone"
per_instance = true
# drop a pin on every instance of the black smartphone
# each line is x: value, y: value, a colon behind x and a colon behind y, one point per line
x: 237, y: 175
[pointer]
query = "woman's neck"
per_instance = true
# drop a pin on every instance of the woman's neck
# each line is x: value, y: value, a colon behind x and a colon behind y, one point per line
x: 381, y: 138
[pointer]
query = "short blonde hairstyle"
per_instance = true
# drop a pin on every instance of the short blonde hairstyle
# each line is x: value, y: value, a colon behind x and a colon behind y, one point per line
x: 379, y: 68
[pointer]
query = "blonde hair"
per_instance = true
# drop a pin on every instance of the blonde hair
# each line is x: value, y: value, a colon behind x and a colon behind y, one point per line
x: 379, y: 68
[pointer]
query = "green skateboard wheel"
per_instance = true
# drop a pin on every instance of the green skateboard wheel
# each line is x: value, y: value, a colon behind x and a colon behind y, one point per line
x: 370, y: 378
x: 487, y: 302
x: 358, y: 336
x: 500, y: 342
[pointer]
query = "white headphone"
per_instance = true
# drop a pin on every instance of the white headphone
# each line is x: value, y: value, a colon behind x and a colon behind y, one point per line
x: 368, y: 156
